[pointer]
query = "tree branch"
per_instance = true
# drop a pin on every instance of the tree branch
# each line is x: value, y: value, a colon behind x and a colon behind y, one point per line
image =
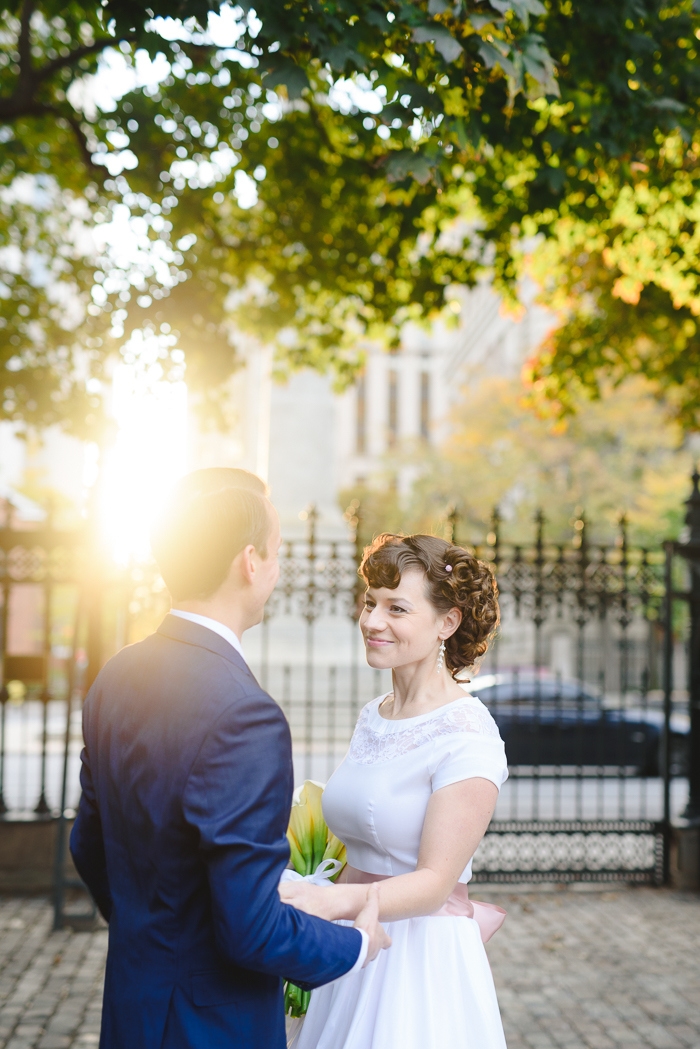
x: 97, y: 169
x: 38, y: 110
x: 24, y: 43
x: 22, y: 102
x: 74, y: 56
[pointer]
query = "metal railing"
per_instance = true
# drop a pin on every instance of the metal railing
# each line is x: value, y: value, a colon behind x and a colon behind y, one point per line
x: 588, y: 681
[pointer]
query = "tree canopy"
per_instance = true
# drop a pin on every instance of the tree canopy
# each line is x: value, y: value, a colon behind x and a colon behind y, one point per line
x: 318, y: 172
x: 626, y: 281
x: 619, y: 454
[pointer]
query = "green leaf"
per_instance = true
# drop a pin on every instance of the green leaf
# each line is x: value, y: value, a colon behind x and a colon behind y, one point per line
x: 671, y: 105
x: 340, y: 55
x: 420, y: 96
x: 405, y: 162
x: 522, y: 8
x: 493, y: 55
x: 296, y: 1001
x: 377, y: 18
x: 445, y: 43
x: 479, y: 21
x: 281, y: 70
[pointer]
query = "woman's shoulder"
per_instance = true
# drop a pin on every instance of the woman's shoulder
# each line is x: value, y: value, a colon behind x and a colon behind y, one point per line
x: 473, y: 716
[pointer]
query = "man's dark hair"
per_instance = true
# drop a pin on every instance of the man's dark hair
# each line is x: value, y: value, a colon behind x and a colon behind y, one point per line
x: 211, y: 516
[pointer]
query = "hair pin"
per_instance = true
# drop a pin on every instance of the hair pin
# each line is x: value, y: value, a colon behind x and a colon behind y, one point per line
x: 448, y: 568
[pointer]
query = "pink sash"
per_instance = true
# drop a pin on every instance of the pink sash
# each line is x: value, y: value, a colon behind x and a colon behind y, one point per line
x: 487, y: 916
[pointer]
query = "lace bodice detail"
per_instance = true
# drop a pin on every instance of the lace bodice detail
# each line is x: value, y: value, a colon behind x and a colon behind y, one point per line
x: 369, y: 747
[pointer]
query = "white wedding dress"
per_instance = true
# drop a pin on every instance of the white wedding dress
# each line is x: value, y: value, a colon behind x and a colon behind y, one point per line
x: 433, y: 988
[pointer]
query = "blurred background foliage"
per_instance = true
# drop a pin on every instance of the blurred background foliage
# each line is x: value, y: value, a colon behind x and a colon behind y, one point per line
x: 626, y: 284
x: 618, y: 453
x: 318, y: 173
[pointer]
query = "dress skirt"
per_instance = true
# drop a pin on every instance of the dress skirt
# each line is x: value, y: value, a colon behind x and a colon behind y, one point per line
x: 432, y: 989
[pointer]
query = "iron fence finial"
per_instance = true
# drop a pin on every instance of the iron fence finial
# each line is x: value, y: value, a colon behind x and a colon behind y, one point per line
x: 692, y: 516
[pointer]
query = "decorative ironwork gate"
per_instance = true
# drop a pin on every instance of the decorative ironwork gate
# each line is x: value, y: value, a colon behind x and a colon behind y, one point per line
x: 587, y: 681
x: 582, y: 717
x: 575, y: 681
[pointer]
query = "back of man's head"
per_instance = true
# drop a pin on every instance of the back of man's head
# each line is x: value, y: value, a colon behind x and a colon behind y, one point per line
x: 211, y: 516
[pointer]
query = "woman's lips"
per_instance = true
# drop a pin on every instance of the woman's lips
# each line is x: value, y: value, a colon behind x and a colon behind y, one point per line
x: 377, y: 642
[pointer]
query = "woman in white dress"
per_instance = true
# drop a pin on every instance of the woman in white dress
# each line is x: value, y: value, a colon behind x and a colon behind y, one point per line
x: 411, y: 801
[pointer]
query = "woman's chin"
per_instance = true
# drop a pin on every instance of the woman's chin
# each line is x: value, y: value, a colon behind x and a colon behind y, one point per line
x: 378, y: 660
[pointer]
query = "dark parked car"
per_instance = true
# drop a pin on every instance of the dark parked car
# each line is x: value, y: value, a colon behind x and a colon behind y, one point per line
x: 547, y: 721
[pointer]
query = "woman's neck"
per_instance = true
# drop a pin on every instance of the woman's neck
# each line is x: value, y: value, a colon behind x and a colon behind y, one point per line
x: 418, y: 689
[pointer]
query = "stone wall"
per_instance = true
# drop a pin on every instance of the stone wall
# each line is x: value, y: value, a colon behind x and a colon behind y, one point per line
x: 27, y: 854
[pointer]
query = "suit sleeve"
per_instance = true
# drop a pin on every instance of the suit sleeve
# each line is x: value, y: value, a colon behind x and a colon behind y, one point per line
x: 237, y: 798
x: 86, y: 842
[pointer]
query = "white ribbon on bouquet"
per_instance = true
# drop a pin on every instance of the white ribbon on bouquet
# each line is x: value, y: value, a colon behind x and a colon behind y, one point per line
x: 326, y: 870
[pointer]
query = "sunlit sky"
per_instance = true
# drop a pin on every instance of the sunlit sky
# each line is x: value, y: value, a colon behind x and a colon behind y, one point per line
x: 151, y: 447
x: 149, y: 453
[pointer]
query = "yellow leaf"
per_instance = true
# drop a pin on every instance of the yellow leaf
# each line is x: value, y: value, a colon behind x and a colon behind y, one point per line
x: 335, y: 850
x: 300, y: 837
x: 310, y: 840
x: 628, y: 289
x: 455, y: 103
x: 311, y: 795
x: 295, y: 853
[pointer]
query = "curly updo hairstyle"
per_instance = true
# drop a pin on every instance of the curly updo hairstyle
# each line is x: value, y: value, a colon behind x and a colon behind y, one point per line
x: 454, y: 578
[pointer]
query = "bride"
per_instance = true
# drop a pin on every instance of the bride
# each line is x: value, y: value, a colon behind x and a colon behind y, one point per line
x: 411, y: 801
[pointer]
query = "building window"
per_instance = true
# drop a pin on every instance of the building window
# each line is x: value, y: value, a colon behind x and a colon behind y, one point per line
x: 393, y: 427
x: 425, y: 406
x: 361, y: 416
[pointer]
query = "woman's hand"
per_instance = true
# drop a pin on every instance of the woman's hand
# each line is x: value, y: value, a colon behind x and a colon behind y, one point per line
x: 331, y: 902
x: 313, y: 899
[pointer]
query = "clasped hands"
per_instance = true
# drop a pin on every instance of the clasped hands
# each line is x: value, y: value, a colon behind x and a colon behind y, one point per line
x: 328, y: 902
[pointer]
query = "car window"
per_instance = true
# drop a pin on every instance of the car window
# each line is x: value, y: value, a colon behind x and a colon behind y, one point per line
x: 564, y: 695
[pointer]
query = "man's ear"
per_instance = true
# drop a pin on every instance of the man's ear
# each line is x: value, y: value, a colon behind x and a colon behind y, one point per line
x: 244, y: 564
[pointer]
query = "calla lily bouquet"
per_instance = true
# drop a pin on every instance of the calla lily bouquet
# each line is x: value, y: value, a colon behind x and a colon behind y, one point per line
x: 315, y: 852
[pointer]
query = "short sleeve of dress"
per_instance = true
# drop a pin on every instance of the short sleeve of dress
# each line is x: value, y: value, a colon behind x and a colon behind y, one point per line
x: 472, y: 750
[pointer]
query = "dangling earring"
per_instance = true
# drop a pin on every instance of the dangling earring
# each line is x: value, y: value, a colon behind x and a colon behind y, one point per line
x: 441, y: 657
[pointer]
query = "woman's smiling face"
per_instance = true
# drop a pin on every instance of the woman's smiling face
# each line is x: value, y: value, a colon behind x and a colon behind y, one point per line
x: 401, y: 626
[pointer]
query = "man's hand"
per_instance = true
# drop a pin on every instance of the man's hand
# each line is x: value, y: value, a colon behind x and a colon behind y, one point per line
x: 368, y: 921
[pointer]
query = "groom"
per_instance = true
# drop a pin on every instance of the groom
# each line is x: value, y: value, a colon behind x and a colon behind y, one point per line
x: 187, y: 784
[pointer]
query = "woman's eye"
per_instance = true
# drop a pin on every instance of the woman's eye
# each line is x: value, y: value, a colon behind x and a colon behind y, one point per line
x: 397, y: 608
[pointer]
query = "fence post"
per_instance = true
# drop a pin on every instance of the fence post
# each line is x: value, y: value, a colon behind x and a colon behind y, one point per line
x: 74, y: 685
x: 3, y: 705
x: 4, y: 696
x: 42, y: 806
x: 690, y: 550
x: 669, y: 548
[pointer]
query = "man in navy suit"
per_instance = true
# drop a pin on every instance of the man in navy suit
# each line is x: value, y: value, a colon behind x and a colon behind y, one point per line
x: 187, y: 784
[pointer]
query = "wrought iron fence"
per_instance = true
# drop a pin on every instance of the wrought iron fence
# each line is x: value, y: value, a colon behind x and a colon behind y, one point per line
x: 588, y: 681
x: 40, y: 595
x: 575, y: 680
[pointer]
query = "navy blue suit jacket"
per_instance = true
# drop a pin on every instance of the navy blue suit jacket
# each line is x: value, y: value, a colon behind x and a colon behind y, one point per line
x: 180, y: 836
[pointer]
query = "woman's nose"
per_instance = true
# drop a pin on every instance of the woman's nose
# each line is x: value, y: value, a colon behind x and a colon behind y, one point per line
x: 374, y: 619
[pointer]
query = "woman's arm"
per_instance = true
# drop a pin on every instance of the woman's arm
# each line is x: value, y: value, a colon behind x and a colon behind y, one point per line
x: 455, y: 822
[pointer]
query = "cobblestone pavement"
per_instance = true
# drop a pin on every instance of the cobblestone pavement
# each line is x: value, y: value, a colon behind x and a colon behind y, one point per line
x: 590, y: 969
x: 598, y: 969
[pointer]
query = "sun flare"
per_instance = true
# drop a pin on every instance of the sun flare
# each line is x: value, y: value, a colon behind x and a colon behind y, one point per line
x: 149, y: 454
